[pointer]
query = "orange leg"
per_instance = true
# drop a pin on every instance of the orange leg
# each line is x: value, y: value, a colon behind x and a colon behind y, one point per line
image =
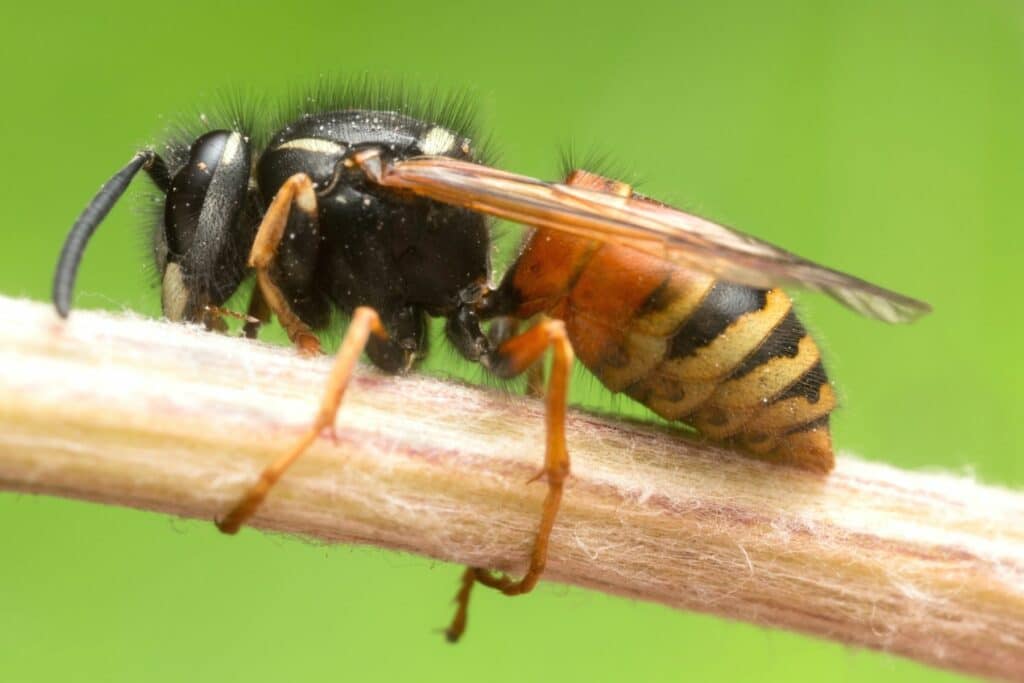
x: 517, y: 355
x: 297, y: 190
x: 504, y: 328
x: 365, y: 321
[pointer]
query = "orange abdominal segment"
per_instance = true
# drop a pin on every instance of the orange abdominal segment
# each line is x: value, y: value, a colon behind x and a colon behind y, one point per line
x: 733, y: 361
x: 547, y: 268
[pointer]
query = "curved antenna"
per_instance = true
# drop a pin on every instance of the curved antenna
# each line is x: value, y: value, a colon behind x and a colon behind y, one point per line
x: 92, y: 216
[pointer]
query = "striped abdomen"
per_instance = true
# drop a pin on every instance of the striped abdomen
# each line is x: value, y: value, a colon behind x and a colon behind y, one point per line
x: 732, y: 361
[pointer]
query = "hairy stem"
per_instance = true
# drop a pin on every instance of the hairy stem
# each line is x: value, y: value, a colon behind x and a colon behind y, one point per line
x: 172, y: 419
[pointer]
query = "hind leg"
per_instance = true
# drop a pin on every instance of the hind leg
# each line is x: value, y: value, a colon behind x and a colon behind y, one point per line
x: 513, y: 357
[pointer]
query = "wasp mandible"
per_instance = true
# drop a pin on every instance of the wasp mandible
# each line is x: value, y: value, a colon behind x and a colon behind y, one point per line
x: 367, y: 206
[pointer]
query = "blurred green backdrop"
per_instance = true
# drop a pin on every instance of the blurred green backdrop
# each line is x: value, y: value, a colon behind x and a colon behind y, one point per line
x: 883, y: 138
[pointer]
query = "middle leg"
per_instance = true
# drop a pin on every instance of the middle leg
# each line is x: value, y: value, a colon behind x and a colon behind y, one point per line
x: 365, y: 322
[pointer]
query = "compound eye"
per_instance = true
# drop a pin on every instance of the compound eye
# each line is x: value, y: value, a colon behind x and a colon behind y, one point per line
x: 206, y: 247
x: 213, y: 182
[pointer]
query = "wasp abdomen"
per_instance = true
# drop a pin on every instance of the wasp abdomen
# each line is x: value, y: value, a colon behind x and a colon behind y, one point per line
x: 733, y: 361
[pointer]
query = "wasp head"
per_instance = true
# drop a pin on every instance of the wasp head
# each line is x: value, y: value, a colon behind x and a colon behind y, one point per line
x: 202, y: 249
x: 204, y: 237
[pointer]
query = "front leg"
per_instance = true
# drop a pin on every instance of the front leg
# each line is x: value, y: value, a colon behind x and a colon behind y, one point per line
x: 257, y: 314
x: 297, y: 191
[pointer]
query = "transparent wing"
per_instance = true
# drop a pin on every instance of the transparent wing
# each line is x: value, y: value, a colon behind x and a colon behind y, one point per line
x: 685, y: 239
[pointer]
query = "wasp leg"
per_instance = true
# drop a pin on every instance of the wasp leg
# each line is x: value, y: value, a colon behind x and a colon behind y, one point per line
x: 504, y: 328
x: 297, y: 191
x: 214, y: 318
x: 365, y: 321
x: 258, y: 313
x: 535, y: 380
x: 514, y: 357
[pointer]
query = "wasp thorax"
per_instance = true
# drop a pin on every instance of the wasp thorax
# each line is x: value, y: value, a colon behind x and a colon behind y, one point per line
x: 205, y: 237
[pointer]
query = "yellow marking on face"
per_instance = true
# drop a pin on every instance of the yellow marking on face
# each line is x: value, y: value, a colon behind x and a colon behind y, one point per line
x: 232, y: 147
x: 174, y: 293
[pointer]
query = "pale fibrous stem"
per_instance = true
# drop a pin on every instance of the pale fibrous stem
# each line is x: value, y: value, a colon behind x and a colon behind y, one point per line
x: 173, y: 419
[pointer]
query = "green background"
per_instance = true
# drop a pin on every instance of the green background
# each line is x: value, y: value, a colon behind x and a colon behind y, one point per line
x: 881, y: 138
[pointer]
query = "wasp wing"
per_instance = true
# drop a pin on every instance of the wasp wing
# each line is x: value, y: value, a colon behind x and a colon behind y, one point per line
x: 644, y: 224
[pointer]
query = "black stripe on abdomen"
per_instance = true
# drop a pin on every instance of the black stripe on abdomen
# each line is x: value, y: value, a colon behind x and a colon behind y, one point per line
x: 782, y: 342
x: 724, y: 304
x: 808, y: 386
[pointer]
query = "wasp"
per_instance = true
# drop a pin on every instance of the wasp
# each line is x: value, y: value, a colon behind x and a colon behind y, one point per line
x: 380, y: 211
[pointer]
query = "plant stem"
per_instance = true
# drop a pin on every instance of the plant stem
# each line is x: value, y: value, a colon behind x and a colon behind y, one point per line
x: 173, y: 419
